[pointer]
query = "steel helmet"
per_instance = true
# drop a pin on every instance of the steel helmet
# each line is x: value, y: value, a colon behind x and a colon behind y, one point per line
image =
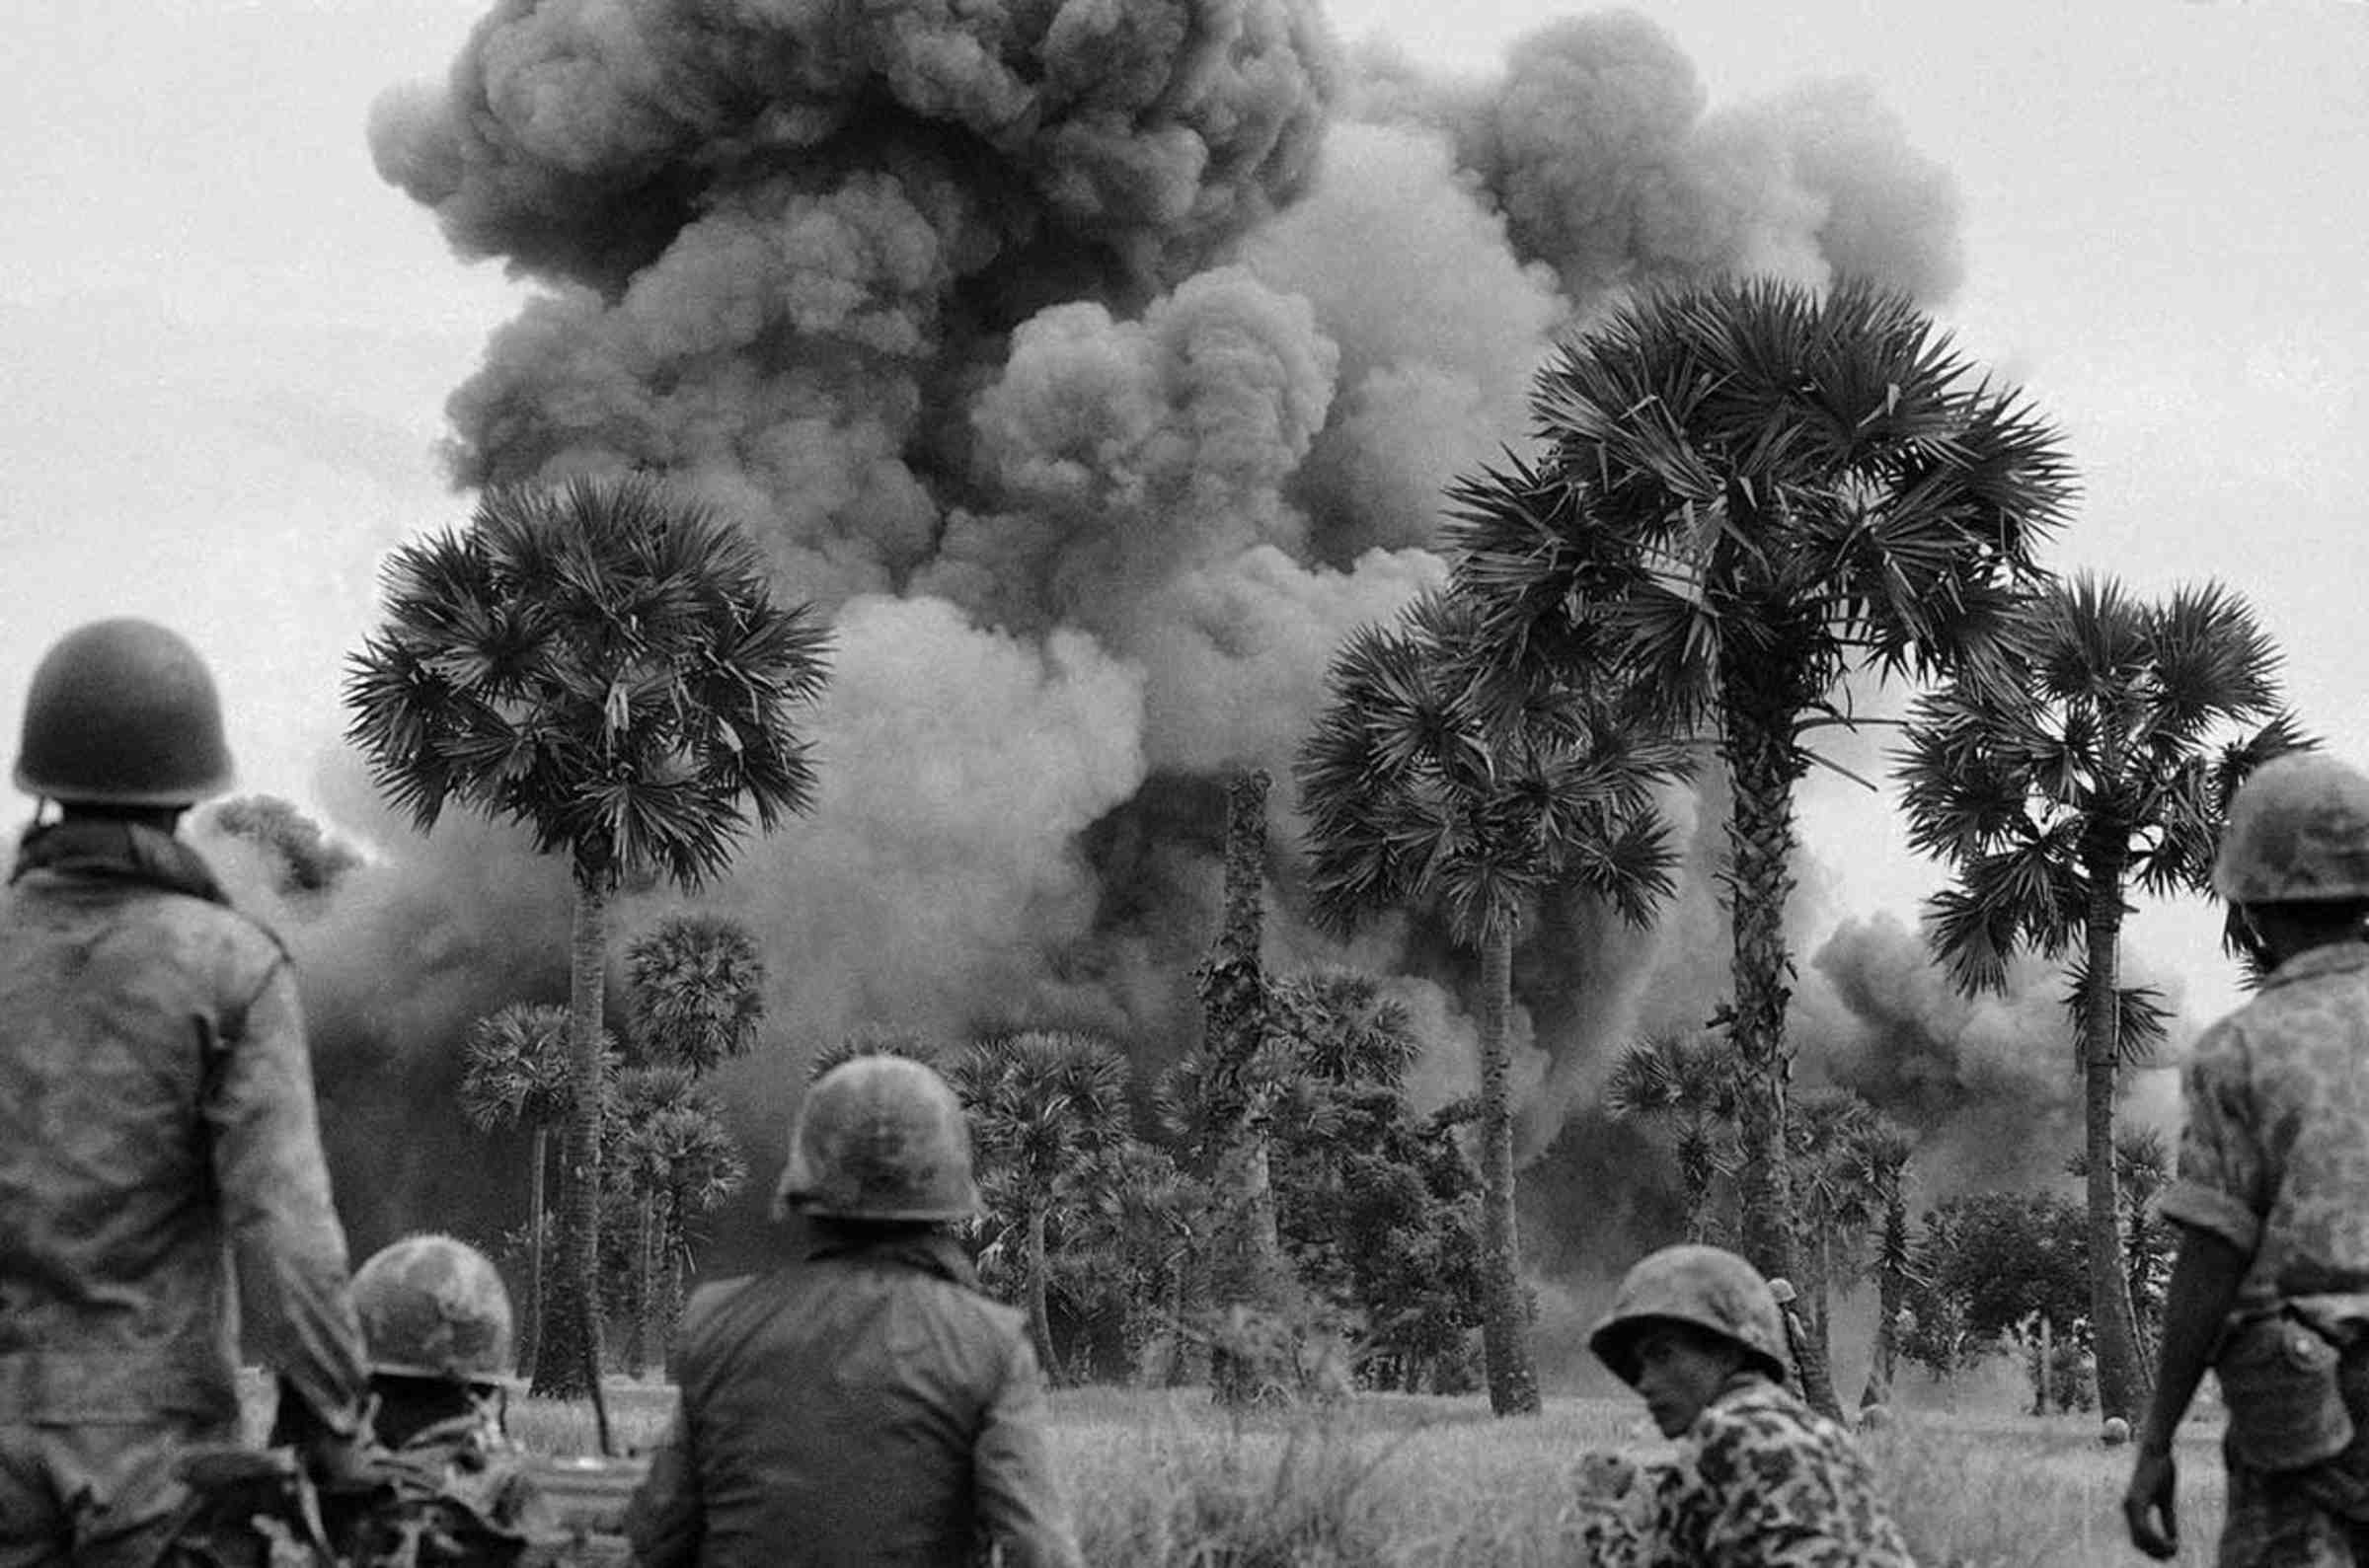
x: 1780, y: 1289
x: 123, y: 712
x: 880, y: 1137
x: 1708, y: 1287
x: 2298, y: 831
x: 432, y: 1307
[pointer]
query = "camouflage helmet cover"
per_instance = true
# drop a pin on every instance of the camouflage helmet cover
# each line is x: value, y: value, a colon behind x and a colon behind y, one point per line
x: 2298, y: 832
x: 432, y: 1307
x: 123, y: 712
x: 880, y: 1137
x: 1708, y: 1287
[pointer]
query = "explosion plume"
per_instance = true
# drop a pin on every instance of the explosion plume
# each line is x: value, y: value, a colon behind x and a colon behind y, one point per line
x: 1098, y: 366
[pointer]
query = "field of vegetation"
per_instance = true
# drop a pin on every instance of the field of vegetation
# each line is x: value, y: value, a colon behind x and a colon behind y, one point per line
x: 1168, y: 1480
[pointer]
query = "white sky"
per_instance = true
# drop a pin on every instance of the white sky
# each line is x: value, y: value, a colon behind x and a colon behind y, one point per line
x: 227, y: 344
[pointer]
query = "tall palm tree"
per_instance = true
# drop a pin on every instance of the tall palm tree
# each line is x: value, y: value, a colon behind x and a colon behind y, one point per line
x: 516, y: 1072
x: 698, y: 990
x: 1416, y: 795
x: 1749, y: 491
x: 1242, y: 1267
x: 2102, y: 765
x: 604, y: 665
x: 1045, y: 1105
x: 1688, y: 1084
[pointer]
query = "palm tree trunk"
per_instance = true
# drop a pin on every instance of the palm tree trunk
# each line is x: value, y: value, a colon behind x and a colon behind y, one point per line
x: 638, y: 1341
x: 1693, y: 1176
x: 2121, y: 1381
x: 1760, y: 841
x: 1040, y: 1318
x: 1891, y: 1290
x: 1816, y: 1353
x: 1505, y: 1318
x: 670, y: 1278
x: 537, y: 1232
x: 569, y: 1346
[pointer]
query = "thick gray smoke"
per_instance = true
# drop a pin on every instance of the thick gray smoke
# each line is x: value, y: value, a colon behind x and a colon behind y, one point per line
x: 1991, y: 1082
x: 1098, y: 365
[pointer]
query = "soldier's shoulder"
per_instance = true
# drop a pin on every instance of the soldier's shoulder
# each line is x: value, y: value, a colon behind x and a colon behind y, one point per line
x: 706, y: 1300
x: 2305, y: 1014
x: 240, y: 937
x: 1755, y: 1428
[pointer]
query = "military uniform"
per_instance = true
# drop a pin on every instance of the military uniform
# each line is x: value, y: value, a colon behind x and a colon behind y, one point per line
x: 449, y: 1489
x: 156, y: 1110
x: 2274, y: 1159
x: 865, y: 1406
x: 1760, y: 1481
x: 456, y: 1496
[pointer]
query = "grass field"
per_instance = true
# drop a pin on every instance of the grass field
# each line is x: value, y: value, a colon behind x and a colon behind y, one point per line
x: 1164, y: 1480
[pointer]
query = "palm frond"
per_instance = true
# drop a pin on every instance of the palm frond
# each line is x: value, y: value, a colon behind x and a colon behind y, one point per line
x: 601, y: 663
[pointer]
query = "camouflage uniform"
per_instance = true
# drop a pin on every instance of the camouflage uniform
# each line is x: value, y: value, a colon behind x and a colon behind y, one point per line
x: 1760, y: 1481
x: 2274, y: 1159
x: 156, y: 1112
x: 456, y: 1496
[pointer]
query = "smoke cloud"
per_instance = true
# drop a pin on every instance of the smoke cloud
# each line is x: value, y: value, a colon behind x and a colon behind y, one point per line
x: 1991, y: 1082
x: 1098, y: 368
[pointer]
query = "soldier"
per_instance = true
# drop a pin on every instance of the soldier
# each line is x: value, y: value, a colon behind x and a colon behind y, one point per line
x: 437, y: 1324
x: 1760, y: 1479
x: 862, y: 1404
x: 156, y: 1112
x: 2271, y: 1195
x: 448, y: 1489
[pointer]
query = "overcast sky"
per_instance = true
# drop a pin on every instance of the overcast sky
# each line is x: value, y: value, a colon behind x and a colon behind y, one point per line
x: 228, y: 342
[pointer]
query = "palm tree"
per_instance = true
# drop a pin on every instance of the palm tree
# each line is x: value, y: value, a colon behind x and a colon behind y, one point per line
x: 1878, y: 1156
x: 1343, y: 1030
x: 1750, y: 490
x: 2101, y: 765
x: 605, y: 666
x: 1243, y: 1268
x: 1146, y: 1215
x: 1416, y: 795
x: 1688, y: 1084
x: 1045, y: 1105
x: 635, y: 1161
x: 1836, y: 1205
x: 698, y: 990
x: 2143, y: 1169
x: 874, y: 1040
x: 515, y: 1074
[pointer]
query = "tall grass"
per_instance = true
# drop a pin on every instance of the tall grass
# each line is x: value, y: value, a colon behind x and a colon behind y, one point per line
x: 1161, y: 1480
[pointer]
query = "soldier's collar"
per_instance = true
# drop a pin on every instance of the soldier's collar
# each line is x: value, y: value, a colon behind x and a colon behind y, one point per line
x: 119, y: 850
x: 931, y: 1251
x: 2332, y: 959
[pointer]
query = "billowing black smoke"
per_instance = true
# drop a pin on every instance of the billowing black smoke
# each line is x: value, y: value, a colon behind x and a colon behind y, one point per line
x: 1098, y: 366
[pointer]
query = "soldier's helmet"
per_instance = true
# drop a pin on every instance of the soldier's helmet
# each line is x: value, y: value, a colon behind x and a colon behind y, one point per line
x: 2298, y: 832
x: 880, y: 1137
x: 432, y: 1307
x: 1708, y: 1287
x: 1783, y: 1290
x: 123, y: 712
